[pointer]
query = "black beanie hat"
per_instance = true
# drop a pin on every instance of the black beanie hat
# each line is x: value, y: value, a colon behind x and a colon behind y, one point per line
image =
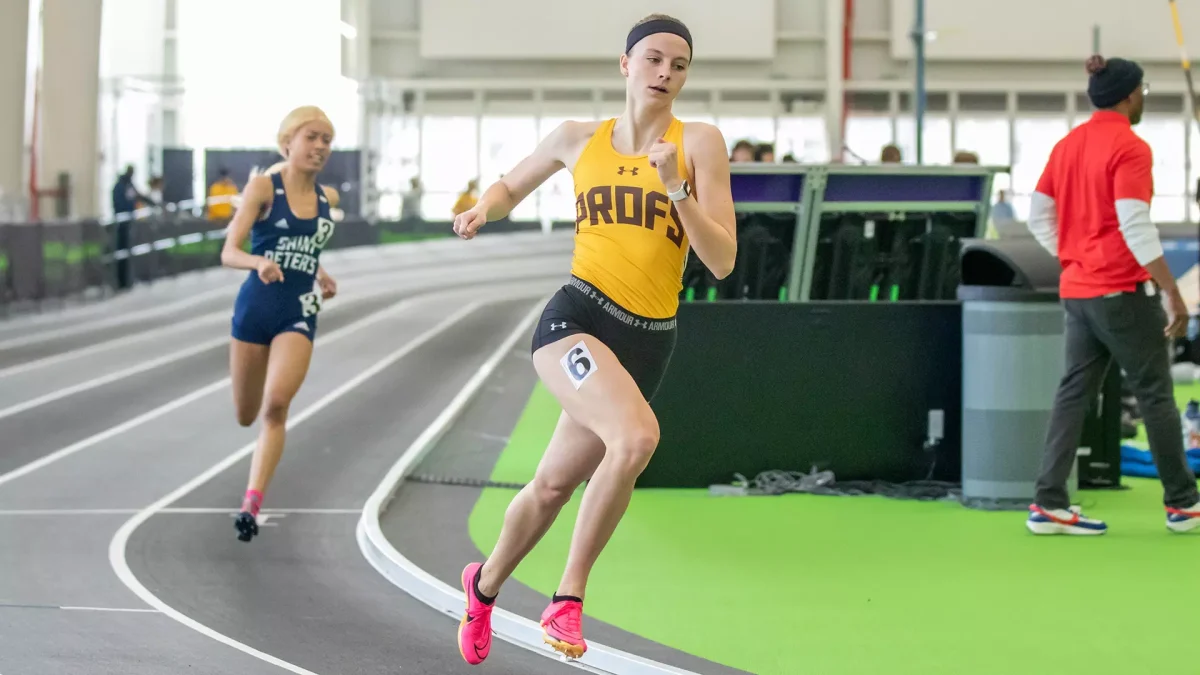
x: 1112, y: 81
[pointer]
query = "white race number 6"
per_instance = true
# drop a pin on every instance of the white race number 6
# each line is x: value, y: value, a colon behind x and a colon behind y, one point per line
x: 579, y: 364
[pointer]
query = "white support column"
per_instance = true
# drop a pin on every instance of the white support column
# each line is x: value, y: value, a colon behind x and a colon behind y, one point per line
x: 14, y: 47
x: 356, y: 65
x: 69, y: 101
x: 834, y: 88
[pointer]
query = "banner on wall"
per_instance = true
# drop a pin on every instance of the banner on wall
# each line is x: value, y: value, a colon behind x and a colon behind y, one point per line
x: 342, y: 171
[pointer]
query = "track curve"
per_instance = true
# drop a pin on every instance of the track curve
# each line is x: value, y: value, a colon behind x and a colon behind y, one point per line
x: 121, y: 467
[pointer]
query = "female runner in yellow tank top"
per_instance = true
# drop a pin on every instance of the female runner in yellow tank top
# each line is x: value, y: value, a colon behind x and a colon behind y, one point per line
x: 648, y: 188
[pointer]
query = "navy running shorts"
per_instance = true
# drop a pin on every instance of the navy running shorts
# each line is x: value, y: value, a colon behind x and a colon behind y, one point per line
x: 262, y: 312
x: 642, y: 345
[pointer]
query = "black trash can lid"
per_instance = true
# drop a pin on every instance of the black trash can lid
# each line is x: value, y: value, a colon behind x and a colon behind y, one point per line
x: 1007, y: 294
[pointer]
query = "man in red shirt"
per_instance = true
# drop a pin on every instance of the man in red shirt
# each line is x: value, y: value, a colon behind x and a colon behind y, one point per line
x: 1091, y: 210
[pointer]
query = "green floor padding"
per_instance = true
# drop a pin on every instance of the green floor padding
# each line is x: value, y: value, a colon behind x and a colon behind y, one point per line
x: 803, y: 584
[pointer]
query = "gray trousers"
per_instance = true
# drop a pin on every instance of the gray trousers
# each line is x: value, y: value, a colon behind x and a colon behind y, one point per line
x: 1127, y: 328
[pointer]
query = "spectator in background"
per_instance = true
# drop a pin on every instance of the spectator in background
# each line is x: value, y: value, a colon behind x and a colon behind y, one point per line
x: 125, y: 195
x: 743, y: 151
x: 466, y: 200
x: 965, y: 157
x: 789, y: 158
x: 1004, y: 223
x: 410, y: 204
x: 156, y: 191
x: 764, y: 152
x: 1002, y: 210
x: 220, y: 196
x: 890, y: 154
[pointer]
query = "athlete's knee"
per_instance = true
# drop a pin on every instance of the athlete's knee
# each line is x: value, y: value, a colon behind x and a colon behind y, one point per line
x: 635, y: 443
x: 275, y: 411
x: 552, y: 491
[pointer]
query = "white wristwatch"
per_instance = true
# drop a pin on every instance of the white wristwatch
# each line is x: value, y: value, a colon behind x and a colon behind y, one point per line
x: 682, y: 193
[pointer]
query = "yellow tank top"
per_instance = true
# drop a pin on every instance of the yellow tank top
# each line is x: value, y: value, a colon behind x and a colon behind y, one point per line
x: 629, y: 241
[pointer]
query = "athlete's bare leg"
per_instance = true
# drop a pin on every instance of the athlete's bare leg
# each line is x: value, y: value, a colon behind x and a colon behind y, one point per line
x: 248, y: 371
x: 286, y: 369
x: 570, y: 458
x: 609, y: 404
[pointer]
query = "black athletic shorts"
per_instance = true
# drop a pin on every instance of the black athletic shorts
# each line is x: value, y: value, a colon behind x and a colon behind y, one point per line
x: 642, y: 345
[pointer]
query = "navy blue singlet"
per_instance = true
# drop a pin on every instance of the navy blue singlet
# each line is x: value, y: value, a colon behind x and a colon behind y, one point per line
x: 263, y: 311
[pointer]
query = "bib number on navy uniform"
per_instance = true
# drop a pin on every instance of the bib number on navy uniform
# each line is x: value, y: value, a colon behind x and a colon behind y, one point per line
x: 310, y: 304
x: 579, y: 364
x: 323, y: 234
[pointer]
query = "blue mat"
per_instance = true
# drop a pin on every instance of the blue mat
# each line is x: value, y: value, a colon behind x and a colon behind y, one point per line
x: 1138, y: 462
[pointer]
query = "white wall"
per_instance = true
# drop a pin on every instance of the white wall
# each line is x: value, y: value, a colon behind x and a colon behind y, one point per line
x: 1037, y: 45
x: 455, y: 29
x: 131, y: 42
x: 69, y: 100
x: 397, y: 36
x: 14, y: 31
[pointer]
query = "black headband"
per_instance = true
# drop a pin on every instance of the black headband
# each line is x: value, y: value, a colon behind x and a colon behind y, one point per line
x: 658, y: 26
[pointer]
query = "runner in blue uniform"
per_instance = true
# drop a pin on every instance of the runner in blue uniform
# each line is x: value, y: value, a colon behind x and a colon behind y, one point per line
x: 287, y: 216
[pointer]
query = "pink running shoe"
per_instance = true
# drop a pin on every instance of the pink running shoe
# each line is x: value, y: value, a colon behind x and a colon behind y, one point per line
x: 562, y: 627
x: 475, y: 629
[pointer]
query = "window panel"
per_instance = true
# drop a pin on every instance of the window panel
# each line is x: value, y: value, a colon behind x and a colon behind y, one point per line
x: 399, y: 144
x: 505, y: 141
x: 224, y: 110
x: 936, y: 135
x: 1034, y: 139
x: 555, y: 198
x: 1165, y: 137
x: 804, y: 138
x: 449, y: 159
x: 1193, y: 170
x: 866, y: 137
x: 754, y: 129
x: 989, y: 138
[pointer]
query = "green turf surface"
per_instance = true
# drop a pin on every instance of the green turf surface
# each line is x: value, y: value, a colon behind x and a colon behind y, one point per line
x: 839, y: 585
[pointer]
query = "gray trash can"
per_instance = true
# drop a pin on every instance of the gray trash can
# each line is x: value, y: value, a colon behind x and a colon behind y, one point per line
x: 1013, y: 360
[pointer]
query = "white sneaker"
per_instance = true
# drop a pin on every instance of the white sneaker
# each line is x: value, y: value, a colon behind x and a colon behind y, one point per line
x: 1063, y: 521
x: 1183, y: 520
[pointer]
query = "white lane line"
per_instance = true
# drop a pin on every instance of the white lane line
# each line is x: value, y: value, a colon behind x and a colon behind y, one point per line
x: 184, y: 400
x: 113, y: 431
x: 66, y: 512
x: 146, y: 365
x: 378, y: 286
x: 116, y: 547
x: 70, y: 608
x: 110, y: 609
x: 180, y: 511
x: 117, y: 320
x: 184, y: 510
x: 113, y: 377
x: 448, y: 600
x: 120, y: 341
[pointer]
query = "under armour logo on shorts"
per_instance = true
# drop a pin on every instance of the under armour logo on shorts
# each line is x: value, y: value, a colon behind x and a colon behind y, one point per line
x: 558, y: 326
